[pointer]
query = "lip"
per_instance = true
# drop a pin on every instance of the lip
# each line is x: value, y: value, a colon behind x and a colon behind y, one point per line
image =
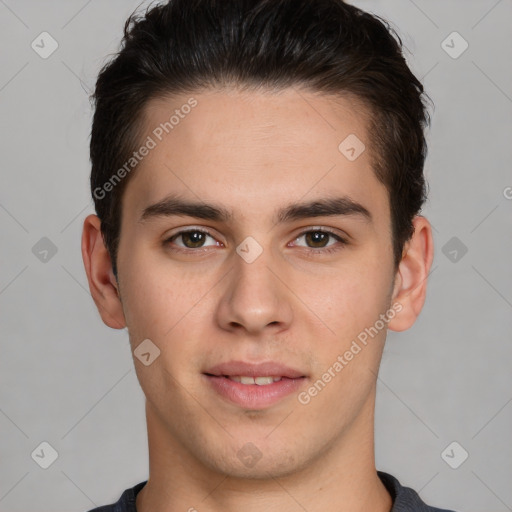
x: 253, y: 396
x: 266, y: 369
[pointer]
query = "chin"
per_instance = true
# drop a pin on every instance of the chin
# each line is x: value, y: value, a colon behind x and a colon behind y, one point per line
x: 256, y: 463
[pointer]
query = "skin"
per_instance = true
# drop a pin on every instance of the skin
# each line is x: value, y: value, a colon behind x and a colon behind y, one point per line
x: 253, y: 153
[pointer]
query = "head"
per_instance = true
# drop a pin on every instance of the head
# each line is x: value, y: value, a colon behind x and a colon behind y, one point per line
x: 246, y: 108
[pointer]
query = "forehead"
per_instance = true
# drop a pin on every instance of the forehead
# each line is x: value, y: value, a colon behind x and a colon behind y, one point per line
x: 292, y: 117
x: 257, y: 147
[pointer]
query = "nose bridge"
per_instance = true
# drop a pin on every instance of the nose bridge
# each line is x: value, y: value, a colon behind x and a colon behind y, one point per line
x: 254, y: 297
x: 252, y: 273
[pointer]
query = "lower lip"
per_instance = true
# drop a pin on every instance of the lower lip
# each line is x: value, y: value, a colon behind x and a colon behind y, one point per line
x: 252, y: 396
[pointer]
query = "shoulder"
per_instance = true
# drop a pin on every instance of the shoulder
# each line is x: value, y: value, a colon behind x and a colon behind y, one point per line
x: 126, y: 502
x: 405, y: 499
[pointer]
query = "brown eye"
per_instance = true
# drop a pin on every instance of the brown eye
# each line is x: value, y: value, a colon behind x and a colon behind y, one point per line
x: 191, y: 239
x: 317, y: 239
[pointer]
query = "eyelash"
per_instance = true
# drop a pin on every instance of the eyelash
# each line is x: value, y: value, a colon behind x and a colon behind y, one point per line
x: 316, y: 252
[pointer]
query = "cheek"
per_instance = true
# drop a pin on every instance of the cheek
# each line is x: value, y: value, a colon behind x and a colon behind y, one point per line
x: 347, y: 361
x: 157, y: 297
x: 351, y: 299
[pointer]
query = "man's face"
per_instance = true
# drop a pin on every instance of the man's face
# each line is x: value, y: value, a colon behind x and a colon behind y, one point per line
x: 291, y: 294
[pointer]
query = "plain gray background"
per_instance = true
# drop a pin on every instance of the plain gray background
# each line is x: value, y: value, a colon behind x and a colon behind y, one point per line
x: 68, y: 380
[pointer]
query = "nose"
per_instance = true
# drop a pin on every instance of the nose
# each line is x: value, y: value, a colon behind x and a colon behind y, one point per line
x: 255, y: 297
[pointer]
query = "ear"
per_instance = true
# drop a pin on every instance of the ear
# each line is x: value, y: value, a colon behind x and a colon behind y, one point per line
x: 98, y: 267
x: 411, y: 279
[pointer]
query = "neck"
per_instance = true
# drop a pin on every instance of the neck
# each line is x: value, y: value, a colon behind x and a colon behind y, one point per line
x: 342, y: 478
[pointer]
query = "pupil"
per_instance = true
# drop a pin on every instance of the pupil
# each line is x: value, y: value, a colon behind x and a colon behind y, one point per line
x: 195, y: 237
x: 317, y: 237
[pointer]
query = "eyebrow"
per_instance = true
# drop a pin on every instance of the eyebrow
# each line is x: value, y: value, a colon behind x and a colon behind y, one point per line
x: 338, y: 206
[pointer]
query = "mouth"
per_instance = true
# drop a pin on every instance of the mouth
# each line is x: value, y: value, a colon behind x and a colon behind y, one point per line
x: 259, y: 381
x: 254, y: 386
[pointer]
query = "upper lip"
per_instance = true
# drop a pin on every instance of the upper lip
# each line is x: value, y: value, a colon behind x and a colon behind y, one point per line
x: 266, y: 369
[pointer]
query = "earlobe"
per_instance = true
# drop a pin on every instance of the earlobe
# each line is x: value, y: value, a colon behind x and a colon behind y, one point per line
x: 411, y: 280
x: 98, y: 267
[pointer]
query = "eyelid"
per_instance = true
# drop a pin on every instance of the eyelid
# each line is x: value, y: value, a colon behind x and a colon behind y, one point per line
x: 324, y: 229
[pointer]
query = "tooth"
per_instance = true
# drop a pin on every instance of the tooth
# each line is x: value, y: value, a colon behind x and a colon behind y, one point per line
x: 263, y: 381
x: 260, y: 381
